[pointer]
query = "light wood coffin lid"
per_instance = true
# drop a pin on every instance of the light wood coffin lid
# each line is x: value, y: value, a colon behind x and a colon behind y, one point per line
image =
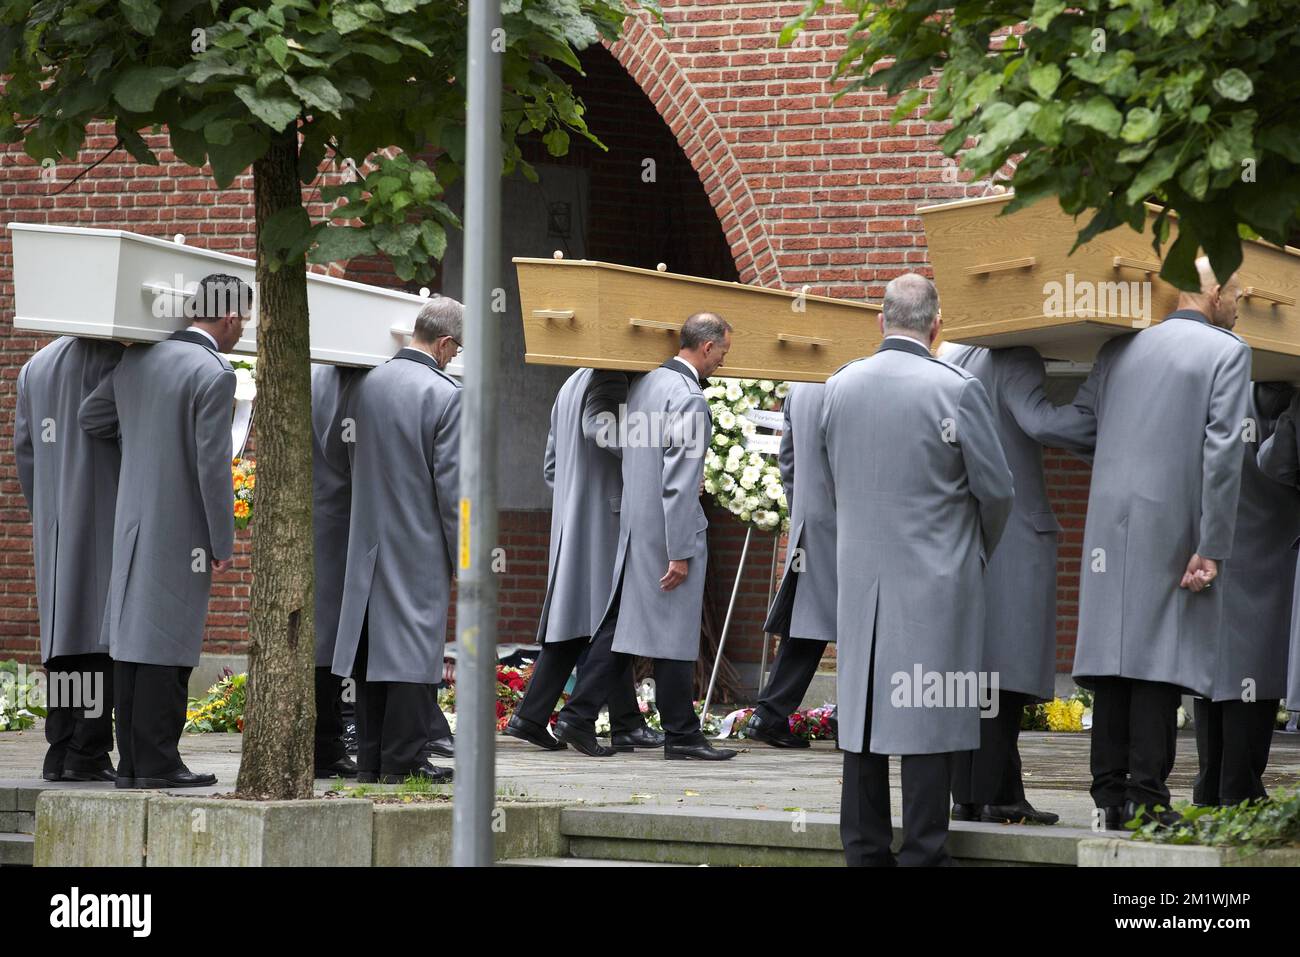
x: 993, y: 274
x: 586, y: 313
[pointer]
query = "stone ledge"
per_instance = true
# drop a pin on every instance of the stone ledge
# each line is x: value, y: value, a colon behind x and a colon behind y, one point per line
x: 419, y: 835
x: 1106, y: 852
x: 91, y: 829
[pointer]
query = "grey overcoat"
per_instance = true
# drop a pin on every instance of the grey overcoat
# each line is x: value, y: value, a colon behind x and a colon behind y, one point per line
x: 172, y: 405
x: 922, y: 493
x: 668, y: 432
x: 69, y: 479
x: 804, y: 606
x: 1169, y: 403
x: 1278, y: 461
x: 331, y: 484
x: 403, y: 532
x: 584, y: 469
x: 1020, y: 582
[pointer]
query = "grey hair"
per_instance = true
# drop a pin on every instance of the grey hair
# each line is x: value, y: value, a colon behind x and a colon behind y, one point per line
x: 911, y: 303
x: 704, y: 327
x: 440, y: 316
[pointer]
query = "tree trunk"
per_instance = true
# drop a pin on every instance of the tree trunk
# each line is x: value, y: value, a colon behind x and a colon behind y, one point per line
x: 277, y: 761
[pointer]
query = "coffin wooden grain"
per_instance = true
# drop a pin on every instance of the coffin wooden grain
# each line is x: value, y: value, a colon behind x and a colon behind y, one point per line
x: 111, y: 284
x: 584, y: 313
x: 1010, y: 280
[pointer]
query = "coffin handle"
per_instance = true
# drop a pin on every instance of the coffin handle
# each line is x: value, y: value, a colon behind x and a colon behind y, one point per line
x: 802, y: 340
x: 1254, y: 292
x: 985, y: 268
x: 401, y: 329
x: 1141, y: 265
x: 553, y: 314
x: 656, y: 324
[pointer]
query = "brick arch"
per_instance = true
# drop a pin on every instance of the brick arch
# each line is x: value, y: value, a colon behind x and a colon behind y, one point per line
x: 647, y: 60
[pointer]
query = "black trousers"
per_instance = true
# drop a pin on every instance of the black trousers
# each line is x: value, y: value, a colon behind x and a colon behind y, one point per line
x: 329, y: 717
x: 550, y: 674
x: 866, y: 826
x: 149, y: 701
x: 992, y: 774
x: 792, y: 672
x: 393, y: 718
x: 1232, y: 742
x: 1134, y: 735
x: 606, y: 669
x: 79, y: 726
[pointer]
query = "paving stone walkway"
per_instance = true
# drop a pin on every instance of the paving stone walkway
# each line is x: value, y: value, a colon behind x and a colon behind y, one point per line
x: 1056, y: 773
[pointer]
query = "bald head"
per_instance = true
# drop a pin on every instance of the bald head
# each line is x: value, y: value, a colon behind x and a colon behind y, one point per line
x: 705, y: 340
x: 1216, y: 301
x: 911, y: 308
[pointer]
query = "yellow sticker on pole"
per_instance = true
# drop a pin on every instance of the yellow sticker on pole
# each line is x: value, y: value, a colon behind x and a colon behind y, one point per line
x: 464, y: 533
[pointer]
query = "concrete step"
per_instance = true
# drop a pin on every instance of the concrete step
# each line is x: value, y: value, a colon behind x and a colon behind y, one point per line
x: 738, y: 837
x: 579, y: 862
x: 16, y: 850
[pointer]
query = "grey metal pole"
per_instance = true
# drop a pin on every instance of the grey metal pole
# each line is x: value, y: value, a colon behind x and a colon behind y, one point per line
x: 476, y: 589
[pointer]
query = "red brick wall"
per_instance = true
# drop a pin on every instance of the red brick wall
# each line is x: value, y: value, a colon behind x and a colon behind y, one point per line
x: 802, y: 189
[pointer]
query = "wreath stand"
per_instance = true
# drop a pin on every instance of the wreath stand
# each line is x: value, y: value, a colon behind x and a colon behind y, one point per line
x: 731, y: 606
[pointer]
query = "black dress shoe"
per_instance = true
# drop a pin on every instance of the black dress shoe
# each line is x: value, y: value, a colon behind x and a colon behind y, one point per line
x: 1160, y: 816
x: 182, y: 777
x: 425, y: 772
x: 344, y: 767
x: 1020, y: 813
x: 701, y: 751
x: 98, y: 774
x: 533, y: 733
x: 124, y: 783
x: 52, y: 775
x: 444, y: 747
x: 1115, y: 818
x: 775, y: 733
x: 581, y: 740
x: 965, y: 812
x: 642, y: 737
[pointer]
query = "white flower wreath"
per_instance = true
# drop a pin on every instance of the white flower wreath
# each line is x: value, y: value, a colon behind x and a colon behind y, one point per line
x: 744, y: 482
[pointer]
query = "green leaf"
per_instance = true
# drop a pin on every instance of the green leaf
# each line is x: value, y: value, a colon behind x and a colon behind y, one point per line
x: 230, y: 159
x: 434, y: 238
x: 1097, y: 113
x: 1044, y: 79
x: 142, y: 15
x: 557, y: 142
x: 285, y: 235
x: 278, y: 47
x: 1157, y: 171
x: 1195, y: 179
x: 1140, y: 124
x: 276, y: 112
x: 1233, y: 84
x: 139, y: 88
x: 346, y: 20
x: 908, y: 102
x: 341, y: 243
x: 1045, y: 11
x: 317, y: 92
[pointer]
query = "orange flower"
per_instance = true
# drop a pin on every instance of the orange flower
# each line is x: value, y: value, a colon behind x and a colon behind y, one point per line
x: 239, y: 480
x: 241, y: 509
x: 250, y: 480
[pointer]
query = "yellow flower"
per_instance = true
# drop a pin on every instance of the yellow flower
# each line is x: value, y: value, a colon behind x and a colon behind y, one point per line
x: 239, y: 480
x: 241, y: 509
x: 251, y: 480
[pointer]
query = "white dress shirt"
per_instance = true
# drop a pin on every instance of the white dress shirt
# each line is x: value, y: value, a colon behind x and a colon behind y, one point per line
x: 694, y: 372
x: 208, y: 335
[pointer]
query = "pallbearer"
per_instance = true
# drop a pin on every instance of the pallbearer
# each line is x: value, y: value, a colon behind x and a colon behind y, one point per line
x: 69, y: 479
x: 922, y: 493
x: 174, y: 525
x: 1234, y: 726
x: 332, y: 432
x: 1019, y: 582
x: 804, y: 609
x: 663, y: 549
x: 583, y: 466
x: 1168, y: 403
x: 401, y: 547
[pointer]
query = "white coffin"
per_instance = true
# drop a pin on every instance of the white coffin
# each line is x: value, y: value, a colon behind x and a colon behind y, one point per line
x: 111, y: 284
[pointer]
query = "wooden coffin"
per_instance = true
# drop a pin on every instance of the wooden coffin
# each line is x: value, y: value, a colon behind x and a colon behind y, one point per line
x: 1010, y: 280
x: 584, y: 313
x: 133, y: 288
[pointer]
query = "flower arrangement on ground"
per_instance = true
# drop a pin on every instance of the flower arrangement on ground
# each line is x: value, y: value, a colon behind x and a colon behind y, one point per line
x: 243, y: 474
x: 221, y: 708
